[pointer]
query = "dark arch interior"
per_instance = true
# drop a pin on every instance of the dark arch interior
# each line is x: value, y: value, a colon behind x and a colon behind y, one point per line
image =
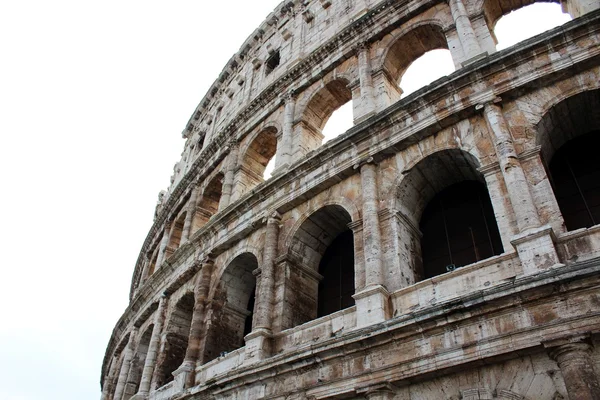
x: 575, y: 177
x: 233, y: 307
x: 337, y: 268
x: 459, y: 228
x: 178, y: 332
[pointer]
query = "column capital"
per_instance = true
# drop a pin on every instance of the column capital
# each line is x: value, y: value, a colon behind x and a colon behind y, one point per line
x: 361, y: 46
x: 363, y: 162
x: 288, y: 97
x: 272, y: 218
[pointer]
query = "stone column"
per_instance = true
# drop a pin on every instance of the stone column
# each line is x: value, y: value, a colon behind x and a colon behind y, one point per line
x: 152, y: 355
x: 366, y: 106
x: 284, y: 160
x: 372, y: 302
x: 257, y: 340
x: 124, y: 372
x: 577, y: 368
x: 465, y: 31
x: 163, y: 244
x: 232, y: 162
x: 192, y: 353
x: 108, y: 380
x: 534, y: 242
x: 189, y: 215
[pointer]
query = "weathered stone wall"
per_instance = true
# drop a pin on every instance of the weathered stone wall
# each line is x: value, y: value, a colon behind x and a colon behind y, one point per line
x: 523, y: 323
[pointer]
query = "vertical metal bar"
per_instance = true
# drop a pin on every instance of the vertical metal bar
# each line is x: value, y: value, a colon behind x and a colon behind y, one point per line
x: 446, y: 232
x: 487, y: 227
x: 579, y: 190
x: 474, y: 245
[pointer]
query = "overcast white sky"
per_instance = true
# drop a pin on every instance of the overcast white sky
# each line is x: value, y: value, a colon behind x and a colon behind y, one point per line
x: 93, y: 99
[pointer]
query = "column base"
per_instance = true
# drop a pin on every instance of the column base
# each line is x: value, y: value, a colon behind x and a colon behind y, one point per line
x: 258, y: 345
x: 183, y: 375
x: 372, y: 306
x: 536, y: 250
x: 471, y: 60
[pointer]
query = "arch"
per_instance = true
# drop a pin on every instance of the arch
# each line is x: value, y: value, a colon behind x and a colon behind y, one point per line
x: 568, y: 136
x: 493, y: 10
x: 232, y: 307
x: 323, y: 101
x: 261, y: 148
x: 319, y: 238
x: 175, y: 234
x: 429, y: 180
x: 410, y: 44
x: 137, y: 363
x: 348, y: 205
x: 176, y: 341
x: 208, y: 205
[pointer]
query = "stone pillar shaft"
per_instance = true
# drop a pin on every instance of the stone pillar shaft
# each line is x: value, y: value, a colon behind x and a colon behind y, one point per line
x: 512, y: 171
x: 108, y: 385
x: 163, y: 245
x: 192, y: 353
x: 371, y: 228
x: 284, y: 159
x: 124, y: 372
x: 189, y: 215
x: 367, y: 100
x: 577, y: 368
x: 232, y: 161
x: 264, y: 298
x: 465, y: 31
x: 152, y: 353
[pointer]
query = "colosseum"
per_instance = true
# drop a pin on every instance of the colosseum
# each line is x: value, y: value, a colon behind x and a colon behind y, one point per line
x: 444, y: 247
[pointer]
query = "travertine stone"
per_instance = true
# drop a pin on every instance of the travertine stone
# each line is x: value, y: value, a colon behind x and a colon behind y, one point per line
x: 151, y: 357
x: 577, y: 368
x: 406, y: 329
x: 128, y: 354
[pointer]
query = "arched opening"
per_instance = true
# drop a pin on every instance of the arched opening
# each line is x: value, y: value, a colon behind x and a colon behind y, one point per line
x: 320, y: 263
x: 531, y: 18
x: 115, y: 368
x: 232, y: 307
x: 339, y: 122
x: 424, y: 70
x: 568, y: 135
x: 411, y: 48
x: 175, y: 235
x: 318, y: 111
x: 178, y: 332
x: 137, y: 363
x: 458, y: 228
x: 445, y: 196
x: 209, y: 202
x: 255, y: 161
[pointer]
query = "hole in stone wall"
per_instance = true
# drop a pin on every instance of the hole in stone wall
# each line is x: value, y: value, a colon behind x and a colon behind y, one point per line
x: 530, y: 21
x: 272, y: 62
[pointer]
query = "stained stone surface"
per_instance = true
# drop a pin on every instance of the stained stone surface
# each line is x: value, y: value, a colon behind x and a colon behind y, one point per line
x: 225, y: 293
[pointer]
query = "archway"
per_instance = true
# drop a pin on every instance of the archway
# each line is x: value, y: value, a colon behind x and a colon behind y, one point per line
x: 232, y: 307
x: 320, y: 262
x: 317, y: 112
x: 209, y: 202
x: 431, y: 197
x: 569, y: 135
x: 178, y: 332
x: 532, y: 18
x: 259, y: 155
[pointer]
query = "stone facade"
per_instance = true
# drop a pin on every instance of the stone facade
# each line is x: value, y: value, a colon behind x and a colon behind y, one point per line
x: 227, y: 295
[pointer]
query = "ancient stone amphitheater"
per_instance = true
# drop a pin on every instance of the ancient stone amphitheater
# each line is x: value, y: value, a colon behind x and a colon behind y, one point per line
x: 444, y: 247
